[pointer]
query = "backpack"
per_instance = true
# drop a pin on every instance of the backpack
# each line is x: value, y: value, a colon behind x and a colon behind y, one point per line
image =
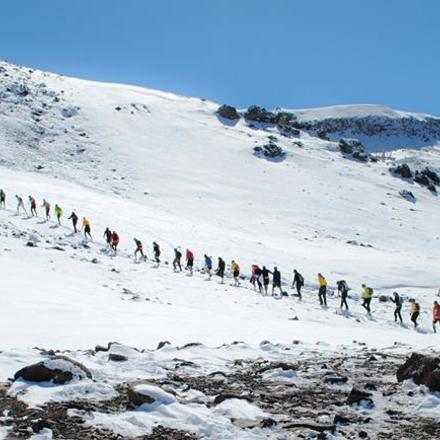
x: 300, y: 279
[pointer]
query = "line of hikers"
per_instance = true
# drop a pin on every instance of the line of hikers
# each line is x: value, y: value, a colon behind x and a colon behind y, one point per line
x: 85, y: 228
x: 260, y: 277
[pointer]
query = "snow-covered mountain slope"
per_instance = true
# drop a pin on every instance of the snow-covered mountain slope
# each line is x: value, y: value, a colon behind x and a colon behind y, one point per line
x: 162, y: 167
x: 166, y: 168
x: 379, y: 128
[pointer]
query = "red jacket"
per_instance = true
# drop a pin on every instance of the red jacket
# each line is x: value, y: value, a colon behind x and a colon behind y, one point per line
x: 436, y: 312
x: 189, y: 255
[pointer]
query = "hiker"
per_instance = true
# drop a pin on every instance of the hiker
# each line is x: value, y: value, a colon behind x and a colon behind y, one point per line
x: 397, y: 311
x: 220, y: 272
x: 415, y: 312
x: 58, y: 213
x: 298, y: 281
x: 435, y: 315
x: 33, y: 205
x: 265, y: 274
x: 176, y: 261
x: 208, y: 265
x: 276, y: 280
x: 255, y: 277
x: 114, y: 241
x: 86, y: 228
x: 189, y: 261
x: 46, y: 206
x: 139, y: 248
x: 108, y: 237
x: 2, y: 199
x: 156, y: 252
x: 367, y: 295
x: 235, y: 269
x: 322, y: 293
x: 20, y: 204
x: 74, y: 219
x: 343, y: 290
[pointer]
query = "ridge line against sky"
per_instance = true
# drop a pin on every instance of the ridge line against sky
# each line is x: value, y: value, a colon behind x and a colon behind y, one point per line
x: 286, y: 53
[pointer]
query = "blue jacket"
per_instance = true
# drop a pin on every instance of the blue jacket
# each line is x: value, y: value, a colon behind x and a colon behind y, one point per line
x: 208, y: 262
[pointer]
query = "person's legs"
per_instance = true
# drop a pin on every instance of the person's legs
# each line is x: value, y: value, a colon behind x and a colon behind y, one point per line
x: 414, y: 318
x: 298, y: 290
x: 364, y: 303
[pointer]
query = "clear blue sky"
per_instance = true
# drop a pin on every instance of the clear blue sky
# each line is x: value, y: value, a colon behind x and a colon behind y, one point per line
x: 270, y: 52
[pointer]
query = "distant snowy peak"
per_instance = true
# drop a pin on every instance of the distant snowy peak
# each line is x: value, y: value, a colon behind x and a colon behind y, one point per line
x: 356, y: 111
x: 379, y: 128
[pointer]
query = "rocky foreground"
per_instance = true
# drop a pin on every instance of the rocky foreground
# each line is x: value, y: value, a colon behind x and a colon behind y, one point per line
x: 231, y: 392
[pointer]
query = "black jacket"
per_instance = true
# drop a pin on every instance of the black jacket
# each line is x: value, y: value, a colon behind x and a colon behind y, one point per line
x: 277, y: 277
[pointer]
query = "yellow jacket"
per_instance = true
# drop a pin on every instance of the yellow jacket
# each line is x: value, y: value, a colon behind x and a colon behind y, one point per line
x: 367, y: 292
x: 235, y: 267
x: 322, y: 281
x: 415, y: 307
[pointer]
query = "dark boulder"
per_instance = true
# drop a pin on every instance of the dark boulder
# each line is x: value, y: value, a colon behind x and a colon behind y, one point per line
x: 137, y: 398
x: 422, y: 179
x: 423, y: 370
x: 146, y: 393
x: 58, y: 369
x: 288, y: 131
x: 322, y: 134
x: 361, y: 156
x: 288, y: 125
x: 349, y: 146
x: 408, y: 195
x: 100, y: 348
x: 431, y: 175
x: 357, y: 397
x: 269, y: 151
x: 353, y: 148
x: 260, y: 114
x: 115, y: 357
x: 402, y: 170
x: 162, y: 344
x: 228, y: 112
